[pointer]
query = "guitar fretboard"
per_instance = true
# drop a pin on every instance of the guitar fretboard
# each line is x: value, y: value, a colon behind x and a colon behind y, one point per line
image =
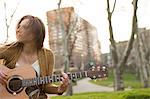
x: 53, y: 78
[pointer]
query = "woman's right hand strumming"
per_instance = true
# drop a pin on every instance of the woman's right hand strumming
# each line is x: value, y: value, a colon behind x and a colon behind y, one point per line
x: 3, y: 76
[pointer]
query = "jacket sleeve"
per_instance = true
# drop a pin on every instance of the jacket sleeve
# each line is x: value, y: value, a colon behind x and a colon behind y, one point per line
x: 50, y: 60
x: 7, y: 50
x: 4, y: 54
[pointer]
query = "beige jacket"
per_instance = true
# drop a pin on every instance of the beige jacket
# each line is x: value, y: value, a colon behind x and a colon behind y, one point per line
x: 10, y: 54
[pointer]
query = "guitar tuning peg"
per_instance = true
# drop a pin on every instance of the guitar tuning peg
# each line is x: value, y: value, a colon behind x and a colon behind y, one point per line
x: 103, y: 68
x: 94, y: 77
x: 104, y: 75
x: 99, y: 76
x: 98, y: 68
x: 93, y: 67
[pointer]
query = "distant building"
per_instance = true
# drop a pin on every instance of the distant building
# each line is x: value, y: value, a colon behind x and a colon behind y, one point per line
x: 83, y: 40
x: 134, y: 59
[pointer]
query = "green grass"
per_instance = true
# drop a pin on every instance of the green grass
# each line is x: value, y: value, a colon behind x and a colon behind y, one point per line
x: 130, y: 80
x: 132, y: 94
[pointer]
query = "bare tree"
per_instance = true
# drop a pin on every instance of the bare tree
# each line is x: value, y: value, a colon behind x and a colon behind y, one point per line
x: 67, y: 30
x: 143, y: 52
x: 119, y: 65
x: 113, y: 43
x: 8, y: 23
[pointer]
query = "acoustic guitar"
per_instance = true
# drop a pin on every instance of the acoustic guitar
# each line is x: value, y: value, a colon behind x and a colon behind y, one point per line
x: 24, y: 76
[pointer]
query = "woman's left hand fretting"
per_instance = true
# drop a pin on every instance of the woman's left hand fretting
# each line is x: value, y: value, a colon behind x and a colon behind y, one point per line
x: 65, y: 82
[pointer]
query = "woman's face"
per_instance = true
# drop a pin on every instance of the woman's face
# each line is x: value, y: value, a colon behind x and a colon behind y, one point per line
x: 23, y: 33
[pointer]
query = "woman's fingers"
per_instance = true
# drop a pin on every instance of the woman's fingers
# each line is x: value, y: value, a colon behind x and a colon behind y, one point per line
x: 65, y: 82
x: 3, y: 82
x: 65, y: 79
x: 2, y: 74
x: 3, y: 78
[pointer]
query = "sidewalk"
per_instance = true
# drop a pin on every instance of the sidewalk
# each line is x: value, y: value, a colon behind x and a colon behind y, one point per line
x: 85, y: 86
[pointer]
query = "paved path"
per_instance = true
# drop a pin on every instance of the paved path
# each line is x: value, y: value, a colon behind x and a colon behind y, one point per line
x: 85, y: 86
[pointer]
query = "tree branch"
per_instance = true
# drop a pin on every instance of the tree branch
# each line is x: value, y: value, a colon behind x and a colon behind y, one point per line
x: 6, y: 20
x: 114, y: 6
x: 134, y: 31
x: 59, y: 3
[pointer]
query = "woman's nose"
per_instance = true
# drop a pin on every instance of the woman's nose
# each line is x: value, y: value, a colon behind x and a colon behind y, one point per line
x: 18, y: 29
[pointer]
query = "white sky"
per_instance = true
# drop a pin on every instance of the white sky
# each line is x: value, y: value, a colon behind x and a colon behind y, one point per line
x: 94, y: 11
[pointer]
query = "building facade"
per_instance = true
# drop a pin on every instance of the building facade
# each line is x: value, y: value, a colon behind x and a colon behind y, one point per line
x: 83, y: 44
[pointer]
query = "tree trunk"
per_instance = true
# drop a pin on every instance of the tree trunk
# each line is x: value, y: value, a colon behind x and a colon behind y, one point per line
x: 69, y: 91
x: 65, y: 45
x: 118, y: 80
x: 119, y: 66
x: 144, y: 73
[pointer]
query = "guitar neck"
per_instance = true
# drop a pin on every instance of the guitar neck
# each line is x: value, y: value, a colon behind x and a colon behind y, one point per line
x: 53, y: 78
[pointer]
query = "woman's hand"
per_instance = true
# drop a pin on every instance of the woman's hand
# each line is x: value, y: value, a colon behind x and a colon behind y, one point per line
x: 3, y: 77
x: 65, y: 82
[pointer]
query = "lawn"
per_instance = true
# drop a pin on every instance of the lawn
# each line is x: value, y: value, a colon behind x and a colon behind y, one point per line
x: 130, y: 94
x: 130, y: 81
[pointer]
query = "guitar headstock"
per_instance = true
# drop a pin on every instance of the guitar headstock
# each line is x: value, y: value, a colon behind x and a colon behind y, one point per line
x: 98, y: 72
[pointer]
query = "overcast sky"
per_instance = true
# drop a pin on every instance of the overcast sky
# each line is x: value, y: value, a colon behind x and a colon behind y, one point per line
x: 94, y: 11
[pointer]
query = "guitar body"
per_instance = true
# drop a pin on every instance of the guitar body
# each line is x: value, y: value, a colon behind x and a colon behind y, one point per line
x: 25, y: 76
x: 25, y: 72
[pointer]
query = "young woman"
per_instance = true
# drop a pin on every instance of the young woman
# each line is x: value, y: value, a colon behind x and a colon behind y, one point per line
x: 28, y: 51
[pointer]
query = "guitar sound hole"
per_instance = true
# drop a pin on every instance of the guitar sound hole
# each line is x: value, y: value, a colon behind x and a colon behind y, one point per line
x: 15, y: 84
